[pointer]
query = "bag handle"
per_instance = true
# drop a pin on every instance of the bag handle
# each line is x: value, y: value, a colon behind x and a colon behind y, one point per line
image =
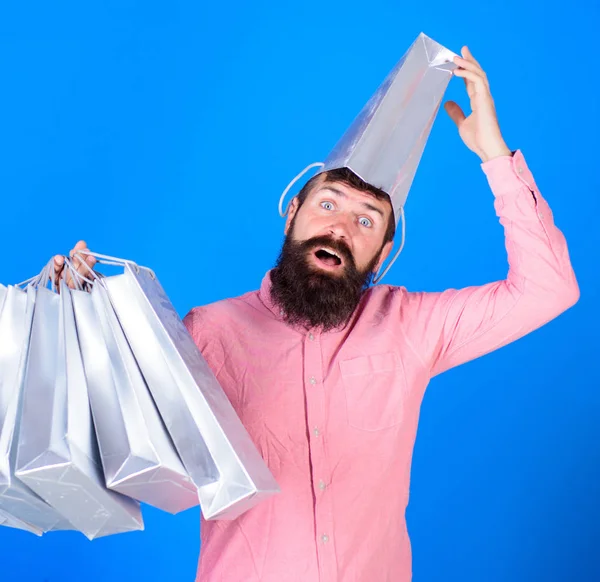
x: 108, y: 260
x: 283, y: 212
x: 378, y: 277
x: 42, y: 277
x: 79, y: 279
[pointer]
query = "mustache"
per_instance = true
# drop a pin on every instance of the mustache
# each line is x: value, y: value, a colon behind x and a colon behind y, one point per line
x: 337, y: 245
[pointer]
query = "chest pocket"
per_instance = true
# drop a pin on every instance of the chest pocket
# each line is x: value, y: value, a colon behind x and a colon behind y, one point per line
x: 374, y: 386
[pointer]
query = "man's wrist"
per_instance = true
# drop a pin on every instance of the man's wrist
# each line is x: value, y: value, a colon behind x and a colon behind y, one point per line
x: 501, y: 151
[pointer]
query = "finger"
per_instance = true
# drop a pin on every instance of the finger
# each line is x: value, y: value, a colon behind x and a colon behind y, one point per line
x: 59, y: 266
x: 470, y: 66
x: 80, y: 246
x: 455, y: 112
x: 86, y: 266
x: 59, y: 263
x: 91, y: 261
x: 466, y: 52
x: 69, y: 279
x: 477, y: 81
x: 76, y: 258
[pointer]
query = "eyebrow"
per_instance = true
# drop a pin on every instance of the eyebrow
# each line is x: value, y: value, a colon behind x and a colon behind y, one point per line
x: 342, y: 194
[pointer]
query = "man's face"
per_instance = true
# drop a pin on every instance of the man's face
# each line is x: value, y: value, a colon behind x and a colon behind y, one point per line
x: 334, y: 242
x: 355, y: 222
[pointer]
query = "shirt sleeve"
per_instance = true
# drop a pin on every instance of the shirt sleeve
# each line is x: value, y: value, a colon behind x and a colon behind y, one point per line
x: 203, y: 324
x: 464, y: 324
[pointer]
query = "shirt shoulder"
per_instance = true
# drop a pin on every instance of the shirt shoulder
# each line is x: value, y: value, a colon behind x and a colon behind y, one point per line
x: 212, y: 317
x: 414, y: 317
x: 398, y: 300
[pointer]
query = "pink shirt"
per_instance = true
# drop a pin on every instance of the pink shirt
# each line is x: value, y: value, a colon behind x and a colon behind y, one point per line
x: 335, y: 415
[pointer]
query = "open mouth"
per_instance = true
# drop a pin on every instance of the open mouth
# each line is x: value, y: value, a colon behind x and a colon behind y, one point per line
x: 328, y: 258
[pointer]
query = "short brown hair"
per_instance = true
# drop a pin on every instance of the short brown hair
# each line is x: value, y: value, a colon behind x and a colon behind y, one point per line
x: 349, y: 178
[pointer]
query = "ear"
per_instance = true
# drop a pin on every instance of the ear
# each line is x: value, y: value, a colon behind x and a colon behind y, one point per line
x: 291, y: 213
x: 387, y: 248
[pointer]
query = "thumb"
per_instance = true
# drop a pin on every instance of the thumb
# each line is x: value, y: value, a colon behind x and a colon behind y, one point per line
x: 455, y: 112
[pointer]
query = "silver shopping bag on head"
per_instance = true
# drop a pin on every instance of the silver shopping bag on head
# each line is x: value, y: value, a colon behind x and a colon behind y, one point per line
x: 16, y: 499
x: 58, y: 456
x: 386, y: 140
x: 213, y: 444
x: 138, y: 456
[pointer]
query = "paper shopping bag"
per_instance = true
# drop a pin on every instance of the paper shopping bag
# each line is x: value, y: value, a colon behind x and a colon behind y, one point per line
x: 2, y: 295
x: 57, y: 455
x: 16, y: 499
x: 385, y: 142
x: 212, y: 442
x: 138, y: 456
x: 7, y: 520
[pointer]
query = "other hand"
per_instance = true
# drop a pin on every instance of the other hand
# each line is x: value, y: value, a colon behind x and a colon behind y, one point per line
x: 480, y: 130
x: 81, y: 263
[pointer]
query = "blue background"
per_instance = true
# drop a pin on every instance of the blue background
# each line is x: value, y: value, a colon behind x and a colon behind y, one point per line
x: 165, y: 132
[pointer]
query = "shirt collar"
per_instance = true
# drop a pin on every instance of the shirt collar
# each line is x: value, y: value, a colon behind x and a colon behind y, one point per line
x: 265, y: 296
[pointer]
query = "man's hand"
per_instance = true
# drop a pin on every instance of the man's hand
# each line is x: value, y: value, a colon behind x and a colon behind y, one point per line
x: 480, y: 130
x: 79, y: 264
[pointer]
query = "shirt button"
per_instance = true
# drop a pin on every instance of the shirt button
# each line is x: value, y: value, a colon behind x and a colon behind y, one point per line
x: 311, y: 337
x: 316, y: 431
x: 324, y: 538
x: 322, y: 485
x: 312, y: 380
x: 520, y: 170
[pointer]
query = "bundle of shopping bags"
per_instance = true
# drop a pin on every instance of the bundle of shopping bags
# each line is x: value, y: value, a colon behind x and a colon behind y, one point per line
x: 107, y: 404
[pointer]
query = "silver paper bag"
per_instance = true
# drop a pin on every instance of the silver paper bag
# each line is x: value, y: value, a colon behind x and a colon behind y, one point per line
x: 137, y: 453
x: 16, y: 498
x: 57, y: 455
x: 2, y: 295
x: 385, y: 142
x: 7, y: 520
x: 212, y: 442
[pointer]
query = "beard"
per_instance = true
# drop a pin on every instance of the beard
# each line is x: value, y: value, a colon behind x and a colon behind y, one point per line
x: 314, y: 297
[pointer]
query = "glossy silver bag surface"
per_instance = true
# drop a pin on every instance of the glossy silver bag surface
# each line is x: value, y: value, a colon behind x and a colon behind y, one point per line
x: 16, y: 499
x: 138, y: 456
x: 385, y: 142
x: 213, y: 444
x: 8, y: 520
x: 58, y: 456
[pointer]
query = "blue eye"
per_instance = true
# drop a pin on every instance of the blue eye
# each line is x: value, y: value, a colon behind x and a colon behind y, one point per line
x: 327, y: 205
x: 365, y: 222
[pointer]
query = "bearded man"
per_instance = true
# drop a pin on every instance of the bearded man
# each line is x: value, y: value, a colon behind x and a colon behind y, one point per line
x: 327, y: 372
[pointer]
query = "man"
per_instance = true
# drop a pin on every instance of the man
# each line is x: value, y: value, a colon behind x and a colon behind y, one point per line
x: 327, y: 373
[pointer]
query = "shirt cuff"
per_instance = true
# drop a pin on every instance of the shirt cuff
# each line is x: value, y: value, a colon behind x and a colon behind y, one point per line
x: 506, y: 174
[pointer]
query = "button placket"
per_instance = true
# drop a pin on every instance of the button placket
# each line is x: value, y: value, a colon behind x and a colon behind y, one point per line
x: 316, y: 406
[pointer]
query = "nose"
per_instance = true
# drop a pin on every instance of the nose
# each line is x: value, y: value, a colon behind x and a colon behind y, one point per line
x: 341, y: 227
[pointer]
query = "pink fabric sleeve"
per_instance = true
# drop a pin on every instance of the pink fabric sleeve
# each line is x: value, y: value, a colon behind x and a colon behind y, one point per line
x: 461, y: 325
